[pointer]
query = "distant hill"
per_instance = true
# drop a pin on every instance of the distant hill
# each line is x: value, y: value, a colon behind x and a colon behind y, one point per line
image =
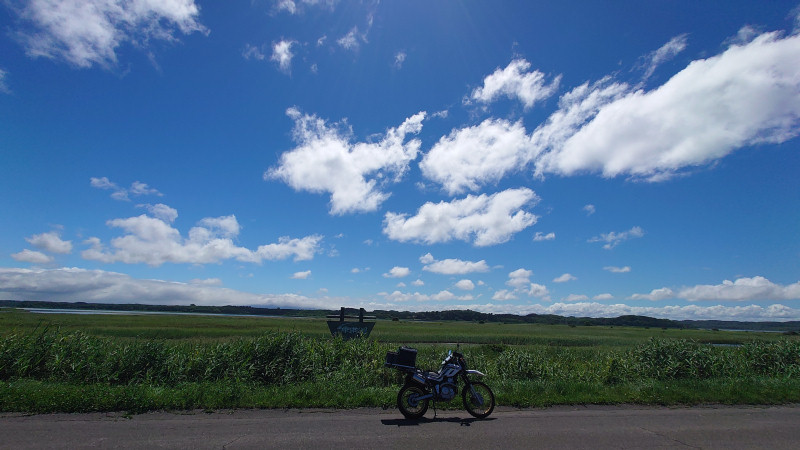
x: 451, y: 315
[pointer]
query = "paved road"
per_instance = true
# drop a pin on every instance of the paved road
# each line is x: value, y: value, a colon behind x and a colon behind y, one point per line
x: 561, y: 427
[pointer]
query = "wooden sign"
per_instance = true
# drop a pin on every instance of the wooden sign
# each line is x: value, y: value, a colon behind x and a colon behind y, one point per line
x: 350, y: 330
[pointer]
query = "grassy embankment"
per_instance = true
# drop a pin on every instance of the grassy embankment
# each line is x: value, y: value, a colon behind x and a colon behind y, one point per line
x: 136, y: 363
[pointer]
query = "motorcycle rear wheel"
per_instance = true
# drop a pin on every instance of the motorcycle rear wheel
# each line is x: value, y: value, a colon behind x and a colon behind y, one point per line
x: 480, y: 405
x: 407, y: 403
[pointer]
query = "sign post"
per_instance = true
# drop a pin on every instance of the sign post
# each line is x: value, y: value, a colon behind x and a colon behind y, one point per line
x: 350, y: 330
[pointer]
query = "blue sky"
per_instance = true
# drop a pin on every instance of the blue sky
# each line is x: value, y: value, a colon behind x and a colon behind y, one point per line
x: 574, y: 158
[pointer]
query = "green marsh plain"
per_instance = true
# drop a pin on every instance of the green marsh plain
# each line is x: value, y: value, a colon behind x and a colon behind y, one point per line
x: 77, y: 362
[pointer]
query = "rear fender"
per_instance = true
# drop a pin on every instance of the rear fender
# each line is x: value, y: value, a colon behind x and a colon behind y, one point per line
x: 476, y: 372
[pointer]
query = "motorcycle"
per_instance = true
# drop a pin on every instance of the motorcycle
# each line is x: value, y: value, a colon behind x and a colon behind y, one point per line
x: 422, y: 386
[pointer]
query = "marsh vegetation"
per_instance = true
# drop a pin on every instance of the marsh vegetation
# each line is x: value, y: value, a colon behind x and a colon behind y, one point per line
x: 58, y: 362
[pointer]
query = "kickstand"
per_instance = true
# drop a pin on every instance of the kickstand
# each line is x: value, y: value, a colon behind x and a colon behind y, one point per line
x: 434, y: 410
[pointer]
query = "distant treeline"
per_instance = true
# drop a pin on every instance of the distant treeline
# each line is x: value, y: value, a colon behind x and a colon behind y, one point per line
x: 453, y: 315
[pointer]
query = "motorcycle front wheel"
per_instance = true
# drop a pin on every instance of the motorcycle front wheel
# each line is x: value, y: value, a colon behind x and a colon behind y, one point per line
x: 478, y: 399
x: 408, y: 404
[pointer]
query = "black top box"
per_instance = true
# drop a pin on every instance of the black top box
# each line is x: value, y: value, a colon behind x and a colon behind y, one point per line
x: 407, y: 356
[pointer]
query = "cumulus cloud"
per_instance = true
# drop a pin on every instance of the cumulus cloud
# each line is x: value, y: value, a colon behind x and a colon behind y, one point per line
x: 398, y: 272
x: 564, y: 278
x: 471, y: 157
x: 775, y: 312
x: 282, y: 54
x: 301, y: 275
x: 97, y: 286
x: 601, y: 297
x: 162, y: 211
x: 137, y: 188
x: 742, y: 289
x: 504, y: 295
x: 87, y: 32
x: 483, y: 220
x: 590, y: 209
x: 50, y: 242
x: 465, y: 285
x: 614, y: 269
x: 452, y: 266
x: 326, y: 161
x: 520, y: 281
x: 539, y: 236
x: 441, y: 296
x: 32, y: 256
x: 655, y: 295
x: 516, y: 82
x: 612, y: 238
x: 747, y: 95
x: 154, y: 242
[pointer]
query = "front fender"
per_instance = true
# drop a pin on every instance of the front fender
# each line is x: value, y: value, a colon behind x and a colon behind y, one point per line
x: 475, y: 372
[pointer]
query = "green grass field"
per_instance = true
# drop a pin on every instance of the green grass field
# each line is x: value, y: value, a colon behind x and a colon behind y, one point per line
x: 70, y: 362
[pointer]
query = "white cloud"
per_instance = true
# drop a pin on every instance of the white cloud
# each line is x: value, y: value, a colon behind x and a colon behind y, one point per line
x: 504, y: 295
x: 154, y: 242
x: 74, y: 284
x: 301, y: 275
x: 520, y: 281
x: 253, y: 52
x: 745, y: 96
x: 539, y: 237
x: 564, y: 278
x: 465, y: 285
x: 516, y: 82
x: 538, y: 290
x: 282, y: 54
x: 87, y: 32
x: 162, y: 211
x: 50, y: 242
x: 31, y: 256
x: 590, y: 209
x: 483, y: 220
x: 453, y: 266
x: 614, y: 269
x: 612, y: 238
x: 774, y: 312
x: 398, y: 272
x: 206, y: 282
x: 326, y: 161
x: 3, y: 85
x: 655, y: 295
x: 445, y: 295
x: 137, y: 188
x: 471, y: 157
x: 601, y: 297
x: 663, y: 54
x: 418, y: 282
x: 352, y: 40
x: 743, y: 289
x: 399, y: 59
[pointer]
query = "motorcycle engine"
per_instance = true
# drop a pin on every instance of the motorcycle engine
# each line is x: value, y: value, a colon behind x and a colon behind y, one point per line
x: 446, y: 391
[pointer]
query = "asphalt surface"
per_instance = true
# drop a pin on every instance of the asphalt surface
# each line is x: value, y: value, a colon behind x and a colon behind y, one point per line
x: 774, y: 427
